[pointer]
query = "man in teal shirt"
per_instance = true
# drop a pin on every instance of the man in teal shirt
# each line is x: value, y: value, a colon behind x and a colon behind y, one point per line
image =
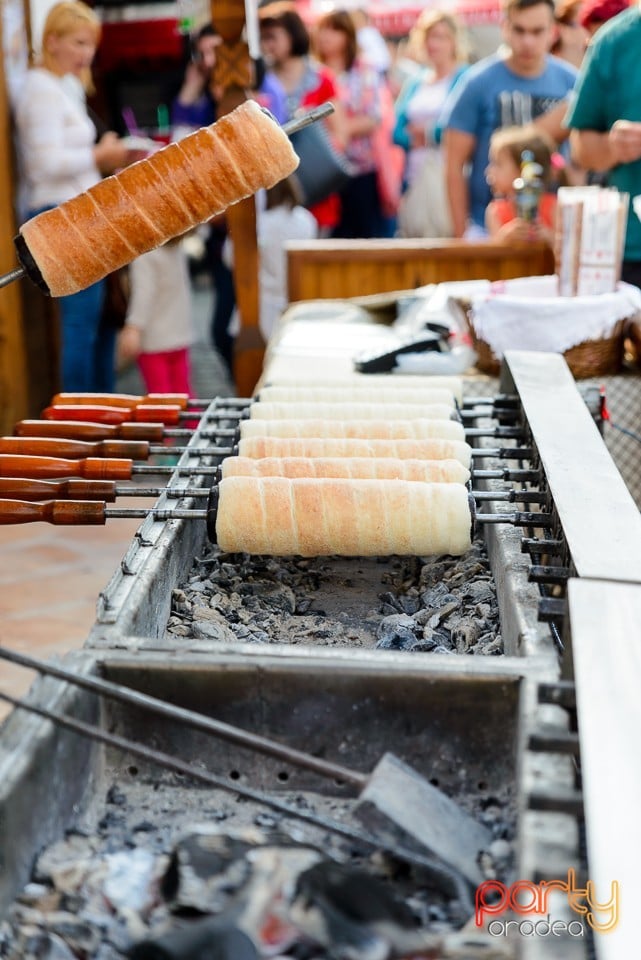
x: 605, y: 119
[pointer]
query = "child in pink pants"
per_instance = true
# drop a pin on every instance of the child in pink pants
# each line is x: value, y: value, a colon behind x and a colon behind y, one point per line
x: 158, y: 330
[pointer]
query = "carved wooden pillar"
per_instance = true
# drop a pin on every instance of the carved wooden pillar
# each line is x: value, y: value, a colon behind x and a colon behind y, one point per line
x: 233, y: 75
x: 13, y: 374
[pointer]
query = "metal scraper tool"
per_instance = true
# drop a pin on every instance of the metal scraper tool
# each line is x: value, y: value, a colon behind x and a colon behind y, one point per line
x: 393, y: 794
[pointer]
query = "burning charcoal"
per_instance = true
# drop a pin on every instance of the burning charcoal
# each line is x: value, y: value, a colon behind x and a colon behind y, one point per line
x: 45, y: 946
x: 40, y: 896
x: 180, y: 602
x: 110, y: 820
x: 493, y: 648
x: 433, y: 573
x: 501, y: 852
x: 303, y: 605
x: 206, y: 867
x: 66, y: 864
x: 211, y: 626
x: 479, y: 591
x: 129, y: 883
x: 204, y: 940
x: 115, y: 796
x: 354, y: 915
x: 78, y: 935
x: 409, y: 604
x: 443, y: 612
x: 436, y: 596
x: 396, y: 632
x: 465, y: 634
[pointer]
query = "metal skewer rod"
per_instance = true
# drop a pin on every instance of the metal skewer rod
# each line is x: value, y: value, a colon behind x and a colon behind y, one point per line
x: 78, y: 449
x: 192, y: 719
x: 30, y: 488
x: 503, y: 453
x: 512, y: 433
x: 96, y: 468
x: 169, y: 762
x: 516, y: 519
x: 305, y: 119
x: 510, y: 496
x: 16, y: 274
x: 166, y: 413
x: 523, y: 476
x: 90, y: 430
x: 95, y: 512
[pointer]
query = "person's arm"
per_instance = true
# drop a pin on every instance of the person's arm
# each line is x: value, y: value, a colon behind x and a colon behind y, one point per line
x: 597, y: 143
x: 597, y: 151
x: 553, y: 123
x: 367, y: 111
x: 46, y: 151
x: 458, y: 148
x: 400, y: 135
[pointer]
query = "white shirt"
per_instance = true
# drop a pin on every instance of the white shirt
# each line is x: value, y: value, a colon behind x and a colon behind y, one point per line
x: 425, y: 107
x: 55, y: 139
x: 273, y: 229
x: 374, y: 49
x: 160, y: 299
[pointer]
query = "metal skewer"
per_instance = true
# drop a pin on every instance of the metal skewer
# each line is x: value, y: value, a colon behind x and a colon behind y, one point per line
x: 312, y: 116
x: 16, y: 274
x: 169, y: 762
x: 95, y: 512
x: 80, y: 449
x: 94, y: 468
x: 93, y: 430
x: 72, y: 488
x: 305, y: 119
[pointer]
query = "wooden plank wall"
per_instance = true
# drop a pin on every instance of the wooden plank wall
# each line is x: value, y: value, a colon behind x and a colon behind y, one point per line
x: 13, y: 373
x: 334, y: 269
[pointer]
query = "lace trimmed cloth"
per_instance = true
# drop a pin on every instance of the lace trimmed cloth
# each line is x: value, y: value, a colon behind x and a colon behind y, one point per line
x: 527, y: 314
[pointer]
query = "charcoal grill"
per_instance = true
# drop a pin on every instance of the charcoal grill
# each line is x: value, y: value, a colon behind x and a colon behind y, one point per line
x: 480, y: 727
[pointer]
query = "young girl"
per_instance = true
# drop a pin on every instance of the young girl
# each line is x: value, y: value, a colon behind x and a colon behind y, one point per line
x: 501, y: 216
x: 158, y: 328
x: 280, y: 218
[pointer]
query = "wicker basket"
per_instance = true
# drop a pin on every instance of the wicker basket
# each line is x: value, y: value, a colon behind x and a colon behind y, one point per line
x: 592, y: 358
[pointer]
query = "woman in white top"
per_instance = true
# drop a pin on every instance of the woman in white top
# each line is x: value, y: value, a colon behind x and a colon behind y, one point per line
x: 436, y: 41
x: 60, y: 158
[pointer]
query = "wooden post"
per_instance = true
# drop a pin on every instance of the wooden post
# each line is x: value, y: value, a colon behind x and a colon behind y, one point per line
x: 233, y: 75
x: 13, y: 375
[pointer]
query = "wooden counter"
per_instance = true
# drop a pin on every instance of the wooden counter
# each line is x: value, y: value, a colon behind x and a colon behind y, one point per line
x: 321, y: 269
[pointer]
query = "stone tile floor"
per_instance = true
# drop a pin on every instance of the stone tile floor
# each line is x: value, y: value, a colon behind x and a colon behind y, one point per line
x: 50, y: 576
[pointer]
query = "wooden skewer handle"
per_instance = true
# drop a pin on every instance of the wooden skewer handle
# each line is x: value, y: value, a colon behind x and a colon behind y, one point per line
x: 169, y: 415
x: 85, y: 430
x: 129, y: 400
x: 51, y: 468
x: 70, y: 489
x: 58, y: 512
x: 74, y: 449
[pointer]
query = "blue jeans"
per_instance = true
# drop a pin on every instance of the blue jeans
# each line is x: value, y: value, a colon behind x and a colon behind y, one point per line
x: 87, y: 356
x: 88, y: 351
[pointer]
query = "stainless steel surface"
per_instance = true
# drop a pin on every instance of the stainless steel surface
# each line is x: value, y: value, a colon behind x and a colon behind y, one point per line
x: 606, y: 649
x: 601, y: 522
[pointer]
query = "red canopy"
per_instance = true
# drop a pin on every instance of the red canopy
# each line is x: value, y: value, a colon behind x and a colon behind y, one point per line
x: 397, y: 21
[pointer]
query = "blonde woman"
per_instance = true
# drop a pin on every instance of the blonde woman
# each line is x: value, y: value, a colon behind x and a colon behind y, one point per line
x: 435, y: 41
x: 59, y: 158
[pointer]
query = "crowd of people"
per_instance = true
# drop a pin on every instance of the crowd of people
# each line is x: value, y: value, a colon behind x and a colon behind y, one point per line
x: 433, y: 143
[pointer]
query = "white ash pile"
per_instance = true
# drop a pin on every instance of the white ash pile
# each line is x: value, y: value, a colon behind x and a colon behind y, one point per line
x: 440, y: 605
x: 157, y: 890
